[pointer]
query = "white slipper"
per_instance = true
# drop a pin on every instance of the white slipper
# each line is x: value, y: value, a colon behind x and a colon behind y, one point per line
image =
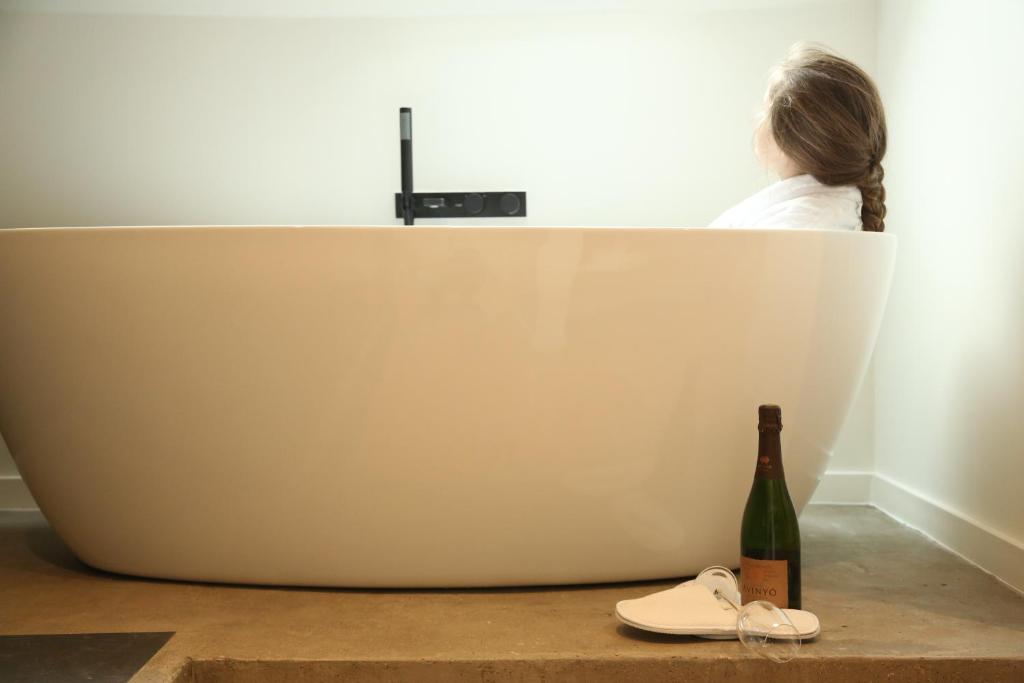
x: 692, y: 609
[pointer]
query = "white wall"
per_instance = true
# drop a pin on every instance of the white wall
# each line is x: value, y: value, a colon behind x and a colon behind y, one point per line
x: 618, y: 118
x: 605, y: 118
x: 949, y: 404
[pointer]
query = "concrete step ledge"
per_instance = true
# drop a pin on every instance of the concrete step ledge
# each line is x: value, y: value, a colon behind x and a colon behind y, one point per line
x: 650, y: 670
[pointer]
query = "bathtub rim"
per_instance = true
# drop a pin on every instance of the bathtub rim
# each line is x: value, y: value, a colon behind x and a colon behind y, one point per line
x: 885, y: 237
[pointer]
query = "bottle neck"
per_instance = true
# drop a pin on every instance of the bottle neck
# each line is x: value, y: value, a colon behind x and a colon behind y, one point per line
x: 769, y: 456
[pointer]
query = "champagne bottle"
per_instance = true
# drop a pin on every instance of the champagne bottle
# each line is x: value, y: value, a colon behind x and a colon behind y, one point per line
x: 770, y: 536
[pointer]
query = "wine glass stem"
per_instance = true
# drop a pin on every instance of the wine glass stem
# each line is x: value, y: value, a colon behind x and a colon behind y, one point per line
x: 723, y: 596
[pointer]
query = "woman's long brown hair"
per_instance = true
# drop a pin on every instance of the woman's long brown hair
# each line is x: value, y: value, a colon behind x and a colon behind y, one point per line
x: 826, y: 115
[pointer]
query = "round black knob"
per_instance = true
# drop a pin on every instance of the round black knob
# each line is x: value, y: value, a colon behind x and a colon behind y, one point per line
x: 474, y: 203
x: 509, y: 203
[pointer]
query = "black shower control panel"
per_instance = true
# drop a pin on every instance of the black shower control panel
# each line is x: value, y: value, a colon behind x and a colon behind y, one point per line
x: 464, y: 204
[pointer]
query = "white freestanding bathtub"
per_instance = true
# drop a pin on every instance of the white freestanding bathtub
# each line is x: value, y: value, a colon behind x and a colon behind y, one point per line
x: 385, y: 406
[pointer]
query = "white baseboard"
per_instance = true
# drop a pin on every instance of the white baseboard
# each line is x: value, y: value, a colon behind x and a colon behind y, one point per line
x: 974, y: 541
x: 14, y: 494
x: 982, y: 546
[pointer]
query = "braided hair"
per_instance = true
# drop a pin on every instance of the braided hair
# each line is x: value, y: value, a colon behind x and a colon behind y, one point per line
x: 826, y: 115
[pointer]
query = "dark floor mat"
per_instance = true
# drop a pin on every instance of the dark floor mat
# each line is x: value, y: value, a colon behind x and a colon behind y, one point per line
x: 72, y: 657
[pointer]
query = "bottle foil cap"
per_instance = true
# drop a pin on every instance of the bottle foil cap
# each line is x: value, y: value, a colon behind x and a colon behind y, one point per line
x: 769, y: 417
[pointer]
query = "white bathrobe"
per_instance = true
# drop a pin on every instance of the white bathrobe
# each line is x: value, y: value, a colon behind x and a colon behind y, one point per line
x: 797, y: 202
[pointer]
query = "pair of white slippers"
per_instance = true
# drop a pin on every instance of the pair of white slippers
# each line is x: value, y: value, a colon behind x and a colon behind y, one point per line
x: 707, y: 606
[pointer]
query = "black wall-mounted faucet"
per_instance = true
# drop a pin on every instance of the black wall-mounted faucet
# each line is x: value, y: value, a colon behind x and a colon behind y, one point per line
x: 411, y: 205
x: 405, y: 129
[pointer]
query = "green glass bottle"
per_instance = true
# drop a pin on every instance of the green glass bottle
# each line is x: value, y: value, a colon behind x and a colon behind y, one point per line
x: 770, y: 535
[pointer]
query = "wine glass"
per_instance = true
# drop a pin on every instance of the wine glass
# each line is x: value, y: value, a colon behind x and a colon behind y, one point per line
x: 760, y: 625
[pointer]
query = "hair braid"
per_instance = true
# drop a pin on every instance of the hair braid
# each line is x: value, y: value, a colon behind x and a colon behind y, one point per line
x: 872, y: 213
x: 827, y: 116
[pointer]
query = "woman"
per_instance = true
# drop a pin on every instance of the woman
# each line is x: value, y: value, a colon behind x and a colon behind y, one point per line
x: 823, y: 132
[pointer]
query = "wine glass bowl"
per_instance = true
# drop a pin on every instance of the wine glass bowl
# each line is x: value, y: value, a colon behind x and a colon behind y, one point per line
x: 768, y: 631
x: 721, y: 582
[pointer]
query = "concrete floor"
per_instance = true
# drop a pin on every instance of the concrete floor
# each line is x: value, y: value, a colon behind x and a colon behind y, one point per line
x: 892, y: 606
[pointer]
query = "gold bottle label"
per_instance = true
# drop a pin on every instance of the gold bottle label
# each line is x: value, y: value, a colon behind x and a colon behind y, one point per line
x: 764, y: 580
